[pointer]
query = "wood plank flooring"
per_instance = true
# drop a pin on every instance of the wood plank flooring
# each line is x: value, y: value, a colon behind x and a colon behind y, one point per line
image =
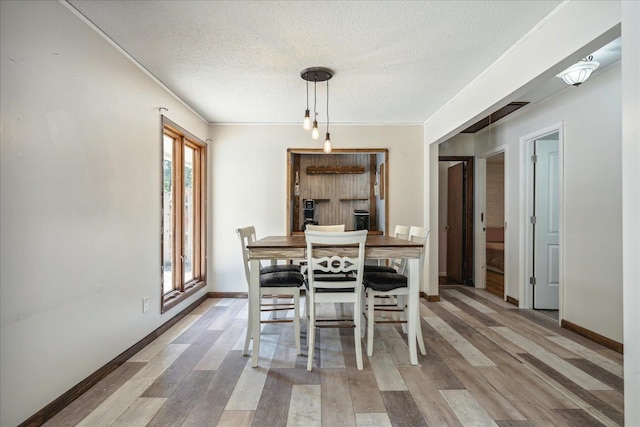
x: 488, y: 363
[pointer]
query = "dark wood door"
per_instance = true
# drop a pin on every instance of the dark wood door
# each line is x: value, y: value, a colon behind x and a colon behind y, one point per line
x: 455, y: 222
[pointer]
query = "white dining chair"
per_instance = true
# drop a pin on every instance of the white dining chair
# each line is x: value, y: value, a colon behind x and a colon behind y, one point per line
x: 394, y: 265
x: 345, y: 287
x: 276, y: 281
x: 385, y: 284
x: 329, y: 228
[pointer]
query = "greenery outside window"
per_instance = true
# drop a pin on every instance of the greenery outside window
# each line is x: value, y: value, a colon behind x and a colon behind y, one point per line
x: 183, y: 255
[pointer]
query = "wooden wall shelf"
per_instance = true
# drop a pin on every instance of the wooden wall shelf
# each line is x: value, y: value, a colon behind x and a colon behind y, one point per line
x: 355, y: 199
x: 317, y: 170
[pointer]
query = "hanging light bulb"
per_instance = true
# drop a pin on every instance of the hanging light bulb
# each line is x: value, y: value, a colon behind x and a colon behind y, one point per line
x: 327, y: 144
x: 315, y: 133
x: 327, y: 139
x: 306, y: 124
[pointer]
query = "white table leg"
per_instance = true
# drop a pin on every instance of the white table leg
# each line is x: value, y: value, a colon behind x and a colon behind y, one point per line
x: 254, y: 307
x: 414, y: 296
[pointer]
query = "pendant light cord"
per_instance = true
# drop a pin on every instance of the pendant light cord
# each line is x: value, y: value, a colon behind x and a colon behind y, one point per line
x: 327, y: 106
x: 315, y: 99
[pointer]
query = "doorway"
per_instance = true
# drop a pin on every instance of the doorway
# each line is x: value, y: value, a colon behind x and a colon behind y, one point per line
x: 457, y: 233
x: 545, y: 222
x: 494, y: 224
x: 542, y: 164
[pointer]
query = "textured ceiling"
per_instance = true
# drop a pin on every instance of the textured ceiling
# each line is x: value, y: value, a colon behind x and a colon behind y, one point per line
x: 240, y: 61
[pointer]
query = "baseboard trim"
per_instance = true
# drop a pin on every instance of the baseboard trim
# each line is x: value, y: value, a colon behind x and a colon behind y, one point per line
x: 513, y: 301
x: 76, y: 391
x: 430, y: 298
x: 593, y: 336
x: 228, y: 295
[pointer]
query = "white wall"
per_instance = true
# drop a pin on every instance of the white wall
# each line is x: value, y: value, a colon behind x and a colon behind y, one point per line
x: 80, y: 203
x: 249, y: 170
x: 592, y: 252
x: 631, y: 207
x: 459, y: 145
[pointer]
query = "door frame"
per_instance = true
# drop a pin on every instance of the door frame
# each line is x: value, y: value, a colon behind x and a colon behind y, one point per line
x: 468, y: 273
x: 526, y: 209
x: 480, y: 215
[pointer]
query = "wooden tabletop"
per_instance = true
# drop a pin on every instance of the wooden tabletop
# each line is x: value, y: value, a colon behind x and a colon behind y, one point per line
x: 295, y: 247
x: 373, y: 240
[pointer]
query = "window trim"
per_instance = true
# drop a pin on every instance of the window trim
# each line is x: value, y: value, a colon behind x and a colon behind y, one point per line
x: 199, y: 176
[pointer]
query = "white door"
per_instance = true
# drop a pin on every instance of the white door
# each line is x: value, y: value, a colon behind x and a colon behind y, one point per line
x: 546, y: 262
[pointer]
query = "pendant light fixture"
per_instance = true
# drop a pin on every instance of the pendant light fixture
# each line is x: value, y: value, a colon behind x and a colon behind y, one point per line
x: 306, y: 124
x: 327, y: 139
x: 317, y: 74
x: 580, y: 72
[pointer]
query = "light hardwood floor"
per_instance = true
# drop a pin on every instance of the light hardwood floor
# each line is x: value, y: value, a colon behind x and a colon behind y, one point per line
x: 487, y: 364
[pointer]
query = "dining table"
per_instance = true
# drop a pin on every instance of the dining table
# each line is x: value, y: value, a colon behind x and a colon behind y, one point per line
x: 294, y: 247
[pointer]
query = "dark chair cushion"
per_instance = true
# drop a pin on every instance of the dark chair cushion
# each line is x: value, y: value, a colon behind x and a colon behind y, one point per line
x: 384, y: 282
x: 279, y: 268
x: 379, y: 269
x: 292, y: 279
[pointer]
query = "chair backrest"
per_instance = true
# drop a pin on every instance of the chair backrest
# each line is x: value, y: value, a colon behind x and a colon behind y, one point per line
x: 247, y: 235
x: 419, y: 235
x: 326, y: 228
x: 321, y: 260
x: 414, y: 234
x: 401, y: 232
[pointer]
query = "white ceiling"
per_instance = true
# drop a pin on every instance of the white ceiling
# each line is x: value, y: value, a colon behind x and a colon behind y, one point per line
x: 240, y: 61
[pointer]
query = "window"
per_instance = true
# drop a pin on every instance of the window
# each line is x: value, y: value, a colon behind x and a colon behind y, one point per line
x: 183, y: 214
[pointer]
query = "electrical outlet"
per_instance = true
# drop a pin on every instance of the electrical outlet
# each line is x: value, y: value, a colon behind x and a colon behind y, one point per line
x: 145, y: 304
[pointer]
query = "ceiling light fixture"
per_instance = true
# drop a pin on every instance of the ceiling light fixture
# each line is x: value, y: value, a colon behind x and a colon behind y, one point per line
x: 306, y: 124
x: 580, y: 72
x: 317, y: 74
x: 327, y: 139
